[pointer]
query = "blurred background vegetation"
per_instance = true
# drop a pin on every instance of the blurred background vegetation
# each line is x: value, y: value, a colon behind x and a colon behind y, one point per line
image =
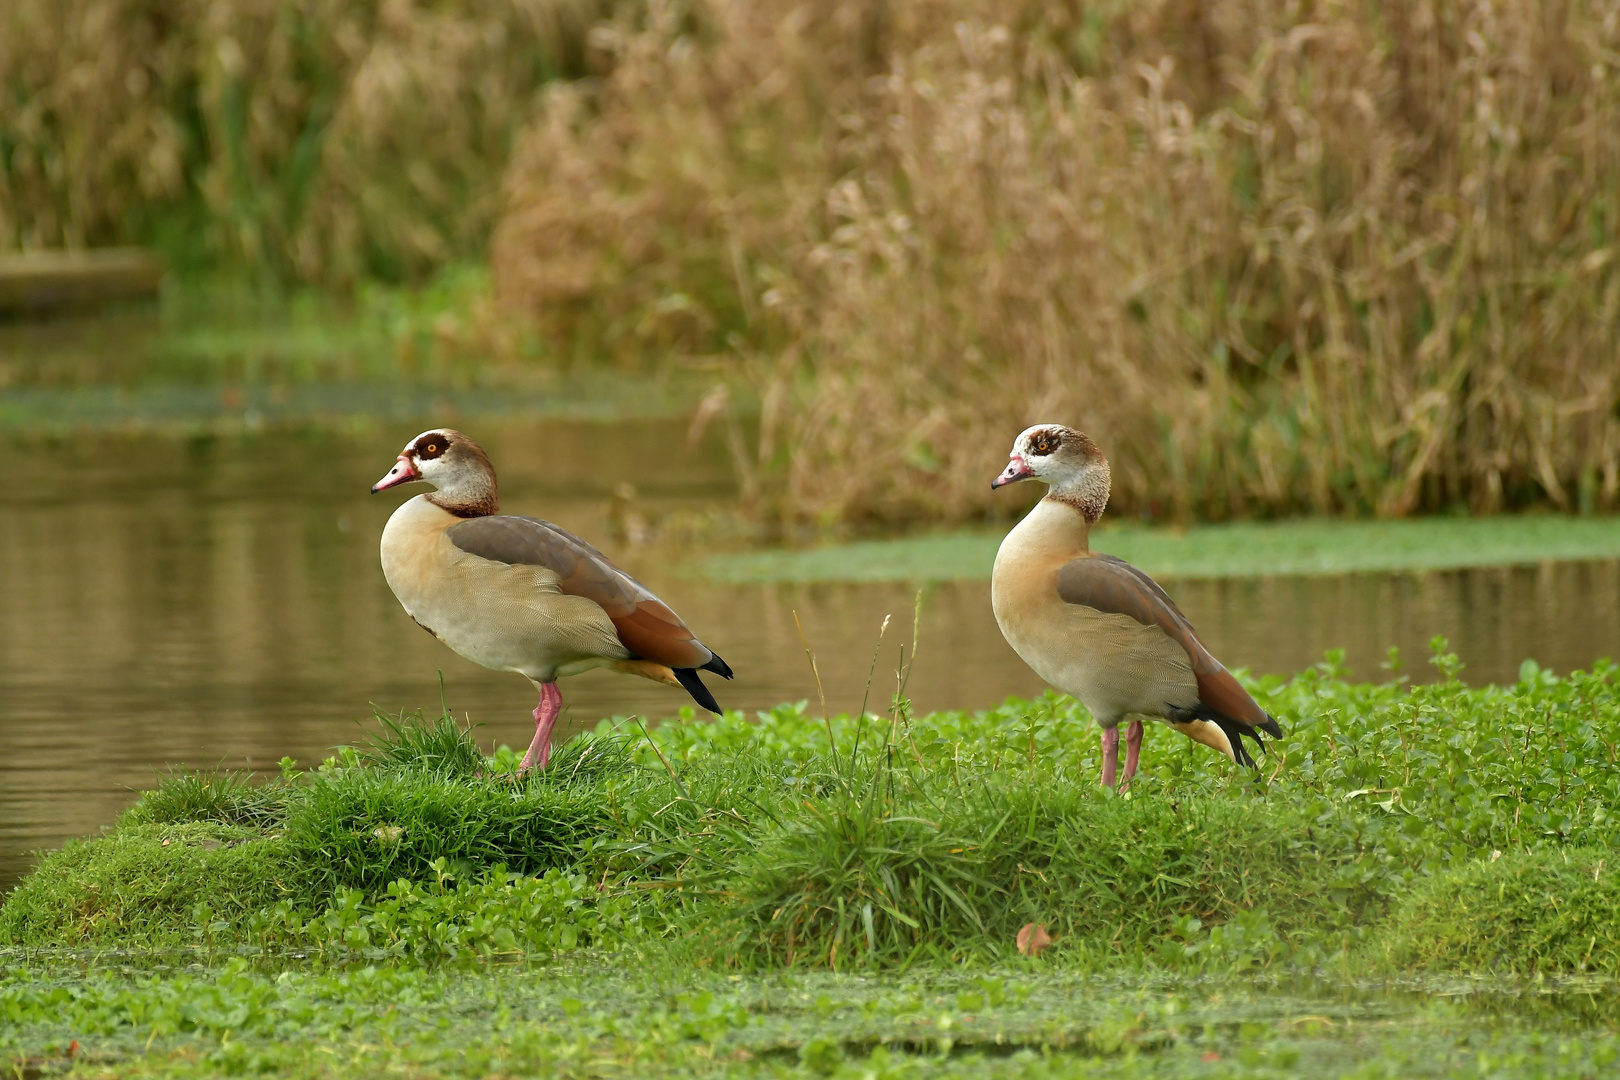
x: 316, y: 141
x: 1277, y: 256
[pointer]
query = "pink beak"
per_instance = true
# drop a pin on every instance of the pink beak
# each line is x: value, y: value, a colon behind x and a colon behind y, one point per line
x: 403, y: 472
x: 1017, y: 469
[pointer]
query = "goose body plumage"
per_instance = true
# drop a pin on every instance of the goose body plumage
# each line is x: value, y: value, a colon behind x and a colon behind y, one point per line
x: 1139, y: 668
x: 520, y: 594
x: 505, y: 616
x: 1100, y: 629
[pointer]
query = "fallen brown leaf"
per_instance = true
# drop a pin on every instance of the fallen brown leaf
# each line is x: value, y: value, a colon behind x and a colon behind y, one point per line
x: 1033, y: 939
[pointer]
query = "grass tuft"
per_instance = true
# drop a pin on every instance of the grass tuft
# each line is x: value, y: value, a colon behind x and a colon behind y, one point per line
x: 368, y: 827
x: 142, y: 884
x: 440, y: 745
x: 222, y: 797
x: 1551, y: 910
x: 955, y: 875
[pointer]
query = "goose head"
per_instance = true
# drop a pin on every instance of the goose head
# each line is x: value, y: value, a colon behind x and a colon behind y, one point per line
x: 452, y: 463
x: 1066, y: 461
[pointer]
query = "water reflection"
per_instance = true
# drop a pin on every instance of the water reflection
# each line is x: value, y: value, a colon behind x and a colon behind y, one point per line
x: 218, y: 601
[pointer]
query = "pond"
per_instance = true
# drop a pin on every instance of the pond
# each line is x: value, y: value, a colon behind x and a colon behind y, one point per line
x: 215, y: 599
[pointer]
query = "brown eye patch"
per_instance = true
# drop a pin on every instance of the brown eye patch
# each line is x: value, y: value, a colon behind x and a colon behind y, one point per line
x: 1045, y: 442
x: 431, y: 446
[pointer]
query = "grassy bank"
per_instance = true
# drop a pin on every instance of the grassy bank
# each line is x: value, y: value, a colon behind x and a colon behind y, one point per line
x: 926, y: 840
x: 800, y: 895
x: 218, y: 358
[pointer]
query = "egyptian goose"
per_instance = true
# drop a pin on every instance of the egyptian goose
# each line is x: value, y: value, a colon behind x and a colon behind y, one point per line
x: 520, y: 594
x: 1098, y: 628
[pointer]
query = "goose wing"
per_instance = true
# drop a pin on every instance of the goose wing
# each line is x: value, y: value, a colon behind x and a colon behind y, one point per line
x: 645, y: 624
x: 1109, y: 584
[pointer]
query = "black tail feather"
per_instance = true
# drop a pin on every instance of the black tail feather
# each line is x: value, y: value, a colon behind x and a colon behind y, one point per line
x: 1234, y: 735
x: 694, y: 686
x: 721, y: 668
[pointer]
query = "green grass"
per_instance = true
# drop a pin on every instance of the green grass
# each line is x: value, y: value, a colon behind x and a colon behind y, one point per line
x: 375, y: 825
x: 1248, y: 549
x: 923, y: 840
x: 1543, y: 910
x: 143, y: 885
x: 844, y: 886
x: 734, y: 897
x: 219, y: 797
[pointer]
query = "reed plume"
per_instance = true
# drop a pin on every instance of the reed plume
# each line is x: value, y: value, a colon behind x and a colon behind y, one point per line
x: 1275, y: 256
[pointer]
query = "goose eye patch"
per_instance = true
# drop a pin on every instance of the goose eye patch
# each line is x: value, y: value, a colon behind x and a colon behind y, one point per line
x: 1044, y: 443
x: 430, y: 447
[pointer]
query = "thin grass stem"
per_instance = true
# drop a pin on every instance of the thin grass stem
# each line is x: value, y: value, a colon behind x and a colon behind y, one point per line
x: 667, y: 767
x: 866, y: 695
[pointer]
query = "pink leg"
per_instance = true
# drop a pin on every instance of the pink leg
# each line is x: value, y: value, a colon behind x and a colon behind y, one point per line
x: 545, y: 716
x: 1110, y: 745
x: 1133, y: 747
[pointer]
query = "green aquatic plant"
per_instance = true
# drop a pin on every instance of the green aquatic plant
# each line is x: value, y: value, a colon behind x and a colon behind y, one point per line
x: 495, y: 914
x: 1304, y: 546
x: 644, y: 1016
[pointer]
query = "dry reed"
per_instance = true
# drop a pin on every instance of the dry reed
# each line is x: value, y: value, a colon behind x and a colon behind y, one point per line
x: 314, y: 140
x: 1275, y: 255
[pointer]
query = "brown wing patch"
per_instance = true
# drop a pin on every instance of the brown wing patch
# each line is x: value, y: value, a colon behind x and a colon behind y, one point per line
x: 1115, y: 586
x: 652, y: 631
x: 645, y: 624
x: 1221, y: 692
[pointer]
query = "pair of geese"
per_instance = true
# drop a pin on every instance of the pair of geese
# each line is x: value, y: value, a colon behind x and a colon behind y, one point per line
x: 520, y: 594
